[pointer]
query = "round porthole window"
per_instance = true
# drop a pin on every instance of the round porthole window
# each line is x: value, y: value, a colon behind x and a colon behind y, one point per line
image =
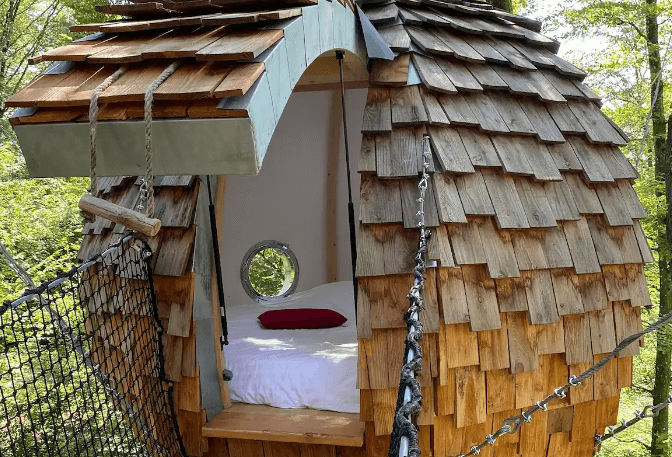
x: 269, y: 271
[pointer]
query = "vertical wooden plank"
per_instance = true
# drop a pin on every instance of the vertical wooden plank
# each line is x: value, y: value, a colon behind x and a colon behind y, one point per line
x: 521, y: 348
x: 602, y: 331
x: 362, y: 366
x: 281, y: 449
x: 540, y: 297
x: 501, y: 391
x: 627, y: 320
x: 511, y: 295
x: 530, y: 385
x: 624, y: 372
x: 637, y: 285
x: 470, y: 396
x: 444, y: 396
x: 452, y: 296
x: 245, y: 448
x: 474, y: 435
x: 447, y: 436
x: 533, y: 436
x: 567, y: 294
x: 577, y: 339
x: 458, y: 347
x: 493, y: 347
x: 616, y: 282
x: 584, y: 392
x: 481, y: 298
x: 384, y: 403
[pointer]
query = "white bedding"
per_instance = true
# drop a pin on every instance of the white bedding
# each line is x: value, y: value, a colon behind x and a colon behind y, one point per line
x: 295, y: 368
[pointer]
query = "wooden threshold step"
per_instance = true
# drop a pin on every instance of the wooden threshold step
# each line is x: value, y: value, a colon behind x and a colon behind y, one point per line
x: 261, y: 422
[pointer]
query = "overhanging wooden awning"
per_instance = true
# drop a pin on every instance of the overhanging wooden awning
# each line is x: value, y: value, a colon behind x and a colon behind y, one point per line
x: 215, y: 115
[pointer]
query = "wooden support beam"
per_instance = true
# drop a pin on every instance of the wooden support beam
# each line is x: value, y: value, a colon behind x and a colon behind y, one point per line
x: 124, y: 216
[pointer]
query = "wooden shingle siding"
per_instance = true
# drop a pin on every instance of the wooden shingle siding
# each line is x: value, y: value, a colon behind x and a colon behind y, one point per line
x: 536, y: 207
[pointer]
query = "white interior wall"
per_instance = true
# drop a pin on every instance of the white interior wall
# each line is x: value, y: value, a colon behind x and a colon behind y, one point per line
x: 286, y: 201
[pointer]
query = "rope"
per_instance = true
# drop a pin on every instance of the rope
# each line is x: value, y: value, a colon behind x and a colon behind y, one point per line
x: 513, y: 424
x: 93, y: 121
x: 404, y: 439
x: 149, y: 102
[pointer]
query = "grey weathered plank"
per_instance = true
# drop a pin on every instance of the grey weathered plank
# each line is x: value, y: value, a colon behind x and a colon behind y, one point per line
x: 450, y: 150
x: 382, y: 14
x: 598, y: 129
x: 457, y: 109
x: 381, y: 201
x: 564, y: 157
x: 615, y: 208
x: 593, y: 165
x: 367, y: 155
x: 515, y: 58
x: 581, y: 246
x: 567, y: 294
x: 383, y: 155
x: 377, y: 112
x: 505, y: 200
x: 466, y: 242
x: 512, y: 154
x: 564, y: 118
x: 428, y: 42
x: 602, y: 331
x: 404, y: 148
x: 486, y: 76
x: 541, y: 161
x: 644, y: 248
x: 460, y: 48
x: 563, y: 85
x: 474, y: 195
x: 396, y: 38
x: 517, y: 81
x: 460, y: 76
x: 390, y: 72
x: 448, y: 199
x: 577, y: 339
x: 542, y: 122
x: 535, y: 203
x: 435, y: 113
x: 631, y: 199
x: 485, y: 49
x: 529, y: 249
x: 562, y: 201
x: 585, y: 197
x: 432, y: 75
x: 409, y: 204
x: 481, y: 298
x: 546, y: 90
x: 498, y: 251
x: 556, y: 249
x: 513, y: 115
x: 485, y: 111
x: 541, y: 299
x: 619, y: 163
x: 407, y: 106
x: 452, y: 296
x: 479, y: 147
x: 608, y: 250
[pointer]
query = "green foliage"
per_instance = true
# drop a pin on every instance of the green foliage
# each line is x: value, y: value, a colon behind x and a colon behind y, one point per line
x: 270, y: 270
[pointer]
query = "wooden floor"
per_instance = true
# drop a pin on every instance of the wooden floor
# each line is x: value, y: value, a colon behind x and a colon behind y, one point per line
x: 261, y: 422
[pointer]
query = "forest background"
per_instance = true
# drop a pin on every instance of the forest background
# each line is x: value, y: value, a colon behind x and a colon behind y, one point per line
x: 40, y: 224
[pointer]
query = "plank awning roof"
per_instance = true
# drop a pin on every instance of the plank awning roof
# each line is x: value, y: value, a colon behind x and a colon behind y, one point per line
x: 535, y: 230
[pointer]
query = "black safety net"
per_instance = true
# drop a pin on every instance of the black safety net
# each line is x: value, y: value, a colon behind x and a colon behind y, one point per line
x: 81, y: 365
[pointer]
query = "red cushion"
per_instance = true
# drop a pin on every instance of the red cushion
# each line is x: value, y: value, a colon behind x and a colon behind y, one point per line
x: 307, y: 318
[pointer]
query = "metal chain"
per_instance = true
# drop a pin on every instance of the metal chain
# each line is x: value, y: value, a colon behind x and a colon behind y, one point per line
x: 648, y: 411
x: 513, y: 424
x: 404, y: 439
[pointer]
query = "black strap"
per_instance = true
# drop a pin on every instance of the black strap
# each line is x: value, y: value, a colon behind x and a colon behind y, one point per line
x: 351, y: 207
x: 218, y: 266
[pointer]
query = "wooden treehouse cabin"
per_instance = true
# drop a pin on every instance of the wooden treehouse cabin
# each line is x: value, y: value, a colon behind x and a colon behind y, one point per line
x: 535, y: 261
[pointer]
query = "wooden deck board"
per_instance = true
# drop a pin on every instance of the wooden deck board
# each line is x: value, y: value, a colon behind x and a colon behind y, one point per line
x: 266, y: 423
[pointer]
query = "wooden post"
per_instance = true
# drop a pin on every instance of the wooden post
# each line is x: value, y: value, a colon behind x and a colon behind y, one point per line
x: 124, y: 216
x: 333, y: 156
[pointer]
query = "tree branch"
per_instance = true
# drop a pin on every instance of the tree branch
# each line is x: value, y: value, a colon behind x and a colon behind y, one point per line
x: 21, y: 272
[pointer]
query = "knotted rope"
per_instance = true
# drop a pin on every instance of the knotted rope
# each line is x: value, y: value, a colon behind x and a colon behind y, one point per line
x: 93, y: 121
x: 148, y: 184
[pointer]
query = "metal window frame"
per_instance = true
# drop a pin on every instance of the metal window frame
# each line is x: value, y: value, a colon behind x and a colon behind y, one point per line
x: 245, y: 270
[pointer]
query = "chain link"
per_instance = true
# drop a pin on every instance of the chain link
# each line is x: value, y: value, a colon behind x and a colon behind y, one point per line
x: 649, y: 411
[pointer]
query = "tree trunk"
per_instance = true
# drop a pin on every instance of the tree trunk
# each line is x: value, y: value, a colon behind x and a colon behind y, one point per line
x: 506, y: 5
x: 662, y: 146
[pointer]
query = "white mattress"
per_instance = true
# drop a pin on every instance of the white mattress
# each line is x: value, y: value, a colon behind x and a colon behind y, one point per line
x: 295, y: 368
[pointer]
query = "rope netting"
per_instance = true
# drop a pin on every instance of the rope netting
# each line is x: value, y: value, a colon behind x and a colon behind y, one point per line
x: 81, y: 364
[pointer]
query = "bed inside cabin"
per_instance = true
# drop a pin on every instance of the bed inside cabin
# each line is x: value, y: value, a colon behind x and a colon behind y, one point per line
x: 285, y: 245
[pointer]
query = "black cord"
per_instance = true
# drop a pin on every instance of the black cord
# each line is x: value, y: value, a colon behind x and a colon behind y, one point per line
x: 351, y: 207
x: 218, y: 266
